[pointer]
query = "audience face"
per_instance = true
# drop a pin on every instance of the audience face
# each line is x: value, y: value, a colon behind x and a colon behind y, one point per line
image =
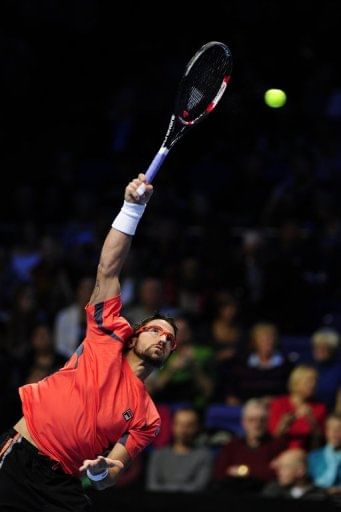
x: 25, y: 299
x: 185, y: 426
x: 290, y: 467
x: 265, y: 340
x: 333, y: 432
x: 254, y: 421
x: 303, y: 382
x: 325, y: 342
x: 322, y: 352
x: 41, y: 339
x: 227, y: 308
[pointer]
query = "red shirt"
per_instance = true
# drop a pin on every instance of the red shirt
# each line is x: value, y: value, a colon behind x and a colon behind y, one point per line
x: 299, y: 433
x: 95, y: 400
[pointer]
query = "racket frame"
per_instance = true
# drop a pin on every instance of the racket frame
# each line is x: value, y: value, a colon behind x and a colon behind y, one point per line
x: 178, y: 125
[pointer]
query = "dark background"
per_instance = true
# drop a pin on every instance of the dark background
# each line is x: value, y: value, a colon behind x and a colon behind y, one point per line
x: 87, y: 89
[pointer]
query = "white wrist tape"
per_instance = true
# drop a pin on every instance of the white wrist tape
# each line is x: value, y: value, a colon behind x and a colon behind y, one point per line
x: 129, y: 217
x: 98, y: 477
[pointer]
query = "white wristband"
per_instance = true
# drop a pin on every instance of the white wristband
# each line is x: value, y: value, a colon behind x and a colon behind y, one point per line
x: 129, y: 217
x: 98, y: 477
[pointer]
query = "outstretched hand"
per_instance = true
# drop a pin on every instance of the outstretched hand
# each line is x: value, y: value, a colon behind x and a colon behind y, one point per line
x: 131, y: 194
x: 99, y: 464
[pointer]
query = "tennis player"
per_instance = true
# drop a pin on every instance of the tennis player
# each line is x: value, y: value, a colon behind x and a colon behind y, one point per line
x: 94, y: 415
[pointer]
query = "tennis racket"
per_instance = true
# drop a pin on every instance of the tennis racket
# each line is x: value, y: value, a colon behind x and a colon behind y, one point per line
x: 200, y: 89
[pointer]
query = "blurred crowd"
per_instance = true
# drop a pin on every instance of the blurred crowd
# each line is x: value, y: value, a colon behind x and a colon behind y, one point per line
x: 241, y: 242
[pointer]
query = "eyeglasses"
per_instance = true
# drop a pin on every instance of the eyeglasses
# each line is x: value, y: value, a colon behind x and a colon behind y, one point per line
x: 156, y: 330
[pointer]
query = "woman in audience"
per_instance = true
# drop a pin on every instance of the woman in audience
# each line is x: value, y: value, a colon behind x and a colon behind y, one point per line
x: 298, y: 416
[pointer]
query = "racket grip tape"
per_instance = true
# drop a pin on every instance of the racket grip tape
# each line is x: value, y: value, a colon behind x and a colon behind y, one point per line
x: 153, y: 168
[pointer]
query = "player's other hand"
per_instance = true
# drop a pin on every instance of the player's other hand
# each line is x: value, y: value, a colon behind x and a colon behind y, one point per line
x: 131, y: 194
x: 99, y: 464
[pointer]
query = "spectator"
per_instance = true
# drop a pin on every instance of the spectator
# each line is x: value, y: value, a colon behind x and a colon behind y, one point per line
x: 245, y: 463
x: 181, y: 467
x: 248, y: 271
x: 69, y: 326
x: 298, y: 416
x: 50, y: 277
x: 325, y: 346
x: 292, y: 480
x: 226, y: 333
x: 325, y: 463
x: 190, y: 295
x: 42, y: 359
x: 263, y: 371
x: 23, y: 316
x: 149, y: 300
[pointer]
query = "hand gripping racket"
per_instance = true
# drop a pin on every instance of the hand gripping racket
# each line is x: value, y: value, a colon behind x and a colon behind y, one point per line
x: 200, y: 89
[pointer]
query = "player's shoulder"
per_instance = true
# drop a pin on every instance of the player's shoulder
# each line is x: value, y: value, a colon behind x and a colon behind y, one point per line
x: 105, y: 318
x: 113, y: 303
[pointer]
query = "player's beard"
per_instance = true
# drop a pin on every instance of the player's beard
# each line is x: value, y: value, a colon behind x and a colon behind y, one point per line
x: 153, y: 361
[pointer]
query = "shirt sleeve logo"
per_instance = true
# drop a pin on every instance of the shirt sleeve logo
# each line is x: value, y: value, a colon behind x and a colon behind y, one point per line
x: 128, y: 414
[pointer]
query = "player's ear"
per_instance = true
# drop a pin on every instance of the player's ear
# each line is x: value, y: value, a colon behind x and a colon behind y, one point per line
x: 132, y: 342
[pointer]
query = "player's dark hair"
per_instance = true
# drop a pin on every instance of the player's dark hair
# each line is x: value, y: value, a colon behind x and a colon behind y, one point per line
x: 157, y: 316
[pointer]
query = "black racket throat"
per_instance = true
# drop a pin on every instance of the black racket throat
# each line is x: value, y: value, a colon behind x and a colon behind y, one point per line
x: 176, y: 130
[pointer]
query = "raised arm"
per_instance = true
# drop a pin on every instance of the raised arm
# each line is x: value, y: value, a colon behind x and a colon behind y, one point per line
x: 117, y: 243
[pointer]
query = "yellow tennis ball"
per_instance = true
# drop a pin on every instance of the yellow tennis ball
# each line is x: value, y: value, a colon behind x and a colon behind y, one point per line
x: 275, y: 98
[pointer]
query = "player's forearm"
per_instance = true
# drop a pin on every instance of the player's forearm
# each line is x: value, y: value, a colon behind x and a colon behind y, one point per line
x: 113, y: 256
x: 114, y: 253
x: 117, y: 243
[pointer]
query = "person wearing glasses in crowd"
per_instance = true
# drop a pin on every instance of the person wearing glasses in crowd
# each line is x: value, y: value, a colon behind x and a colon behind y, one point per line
x: 94, y: 415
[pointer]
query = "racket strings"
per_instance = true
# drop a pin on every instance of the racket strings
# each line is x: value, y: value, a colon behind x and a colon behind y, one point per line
x: 195, y: 97
x: 202, y: 82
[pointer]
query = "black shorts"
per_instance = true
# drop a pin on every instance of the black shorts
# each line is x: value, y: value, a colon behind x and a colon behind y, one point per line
x: 30, y: 481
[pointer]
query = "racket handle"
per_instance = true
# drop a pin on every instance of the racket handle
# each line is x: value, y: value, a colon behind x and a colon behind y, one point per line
x: 153, y: 168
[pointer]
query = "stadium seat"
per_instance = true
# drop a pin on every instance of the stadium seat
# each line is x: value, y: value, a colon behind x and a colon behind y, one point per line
x: 297, y: 348
x: 224, y: 417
